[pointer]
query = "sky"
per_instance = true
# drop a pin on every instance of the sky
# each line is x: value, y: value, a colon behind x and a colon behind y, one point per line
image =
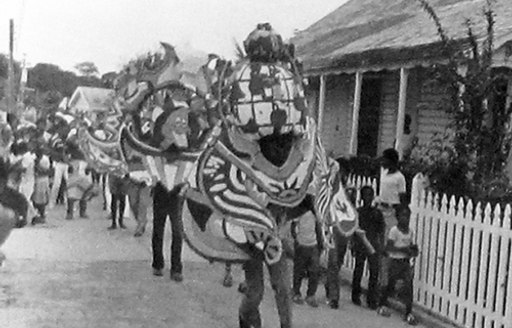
x: 111, y: 32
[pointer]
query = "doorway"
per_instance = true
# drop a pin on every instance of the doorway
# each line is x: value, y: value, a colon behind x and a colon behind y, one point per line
x: 369, y: 114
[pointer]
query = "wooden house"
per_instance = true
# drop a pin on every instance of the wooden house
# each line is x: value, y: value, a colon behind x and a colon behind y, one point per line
x: 369, y: 65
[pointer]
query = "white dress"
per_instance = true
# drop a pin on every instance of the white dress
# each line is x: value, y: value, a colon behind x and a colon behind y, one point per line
x: 27, y: 178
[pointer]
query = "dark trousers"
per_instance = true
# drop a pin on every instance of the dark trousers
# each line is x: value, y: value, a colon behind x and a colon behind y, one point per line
x: 335, y: 261
x: 167, y: 203
x: 95, y: 177
x: 399, y: 270
x: 373, y: 283
x: 71, y: 207
x: 118, y: 202
x: 103, y: 182
x: 306, y: 263
x: 41, y: 209
x: 62, y: 192
x: 249, y: 313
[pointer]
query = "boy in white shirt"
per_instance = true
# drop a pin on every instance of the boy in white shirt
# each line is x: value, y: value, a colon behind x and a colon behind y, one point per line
x: 400, y: 249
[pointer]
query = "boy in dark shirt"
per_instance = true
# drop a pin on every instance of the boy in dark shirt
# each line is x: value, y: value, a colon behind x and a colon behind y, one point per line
x: 372, y: 222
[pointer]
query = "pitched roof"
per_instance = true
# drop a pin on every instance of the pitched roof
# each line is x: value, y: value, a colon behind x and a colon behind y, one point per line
x: 96, y: 98
x: 376, y: 32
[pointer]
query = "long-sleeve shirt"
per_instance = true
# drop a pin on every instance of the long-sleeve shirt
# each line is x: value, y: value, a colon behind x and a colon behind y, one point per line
x: 372, y: 222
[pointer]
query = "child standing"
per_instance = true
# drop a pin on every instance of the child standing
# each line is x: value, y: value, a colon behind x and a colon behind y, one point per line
x: 372, y: 222
x: 41, y: 195
x: 307, y: 235
x: 79, y: 188
x: 400, y: 249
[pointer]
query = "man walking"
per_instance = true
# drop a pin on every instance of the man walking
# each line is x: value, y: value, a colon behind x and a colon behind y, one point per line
x: 167, y: 203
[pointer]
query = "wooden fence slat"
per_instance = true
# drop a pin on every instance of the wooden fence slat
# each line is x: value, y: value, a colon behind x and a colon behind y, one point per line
x: 504, y: 257
x: 434, y: 246
x: 493, y: 263
x: 508, y: 289
x: 424, y: 262
x: 415, y: 226
x: 457, y: 258
x: 473, y: 268
x: 441, y: 258
x: 430, y: 249
x: 374, y: 185
x: 449, y: 258
x: 464, y: 268
x: 508, y: 300
x: 483, y: 269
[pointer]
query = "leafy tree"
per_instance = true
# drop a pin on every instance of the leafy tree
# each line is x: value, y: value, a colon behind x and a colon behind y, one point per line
x: 48, y: 77
x: 481, y: 140
x: 108, y: 79
x: 4, y: 69
x: 87, y: 69
x: 48, y: 102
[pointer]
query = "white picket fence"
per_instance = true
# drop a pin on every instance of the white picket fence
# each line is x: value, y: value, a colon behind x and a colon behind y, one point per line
x: 463, y: 272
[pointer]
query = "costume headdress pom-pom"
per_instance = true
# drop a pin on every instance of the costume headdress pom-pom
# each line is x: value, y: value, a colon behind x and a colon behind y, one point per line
x: 265, y: 45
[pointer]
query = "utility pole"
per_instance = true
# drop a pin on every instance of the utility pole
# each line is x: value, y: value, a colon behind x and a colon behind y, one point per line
x: 10, y: 76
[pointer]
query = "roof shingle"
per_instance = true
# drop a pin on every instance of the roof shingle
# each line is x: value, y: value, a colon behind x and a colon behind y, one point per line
x: 366, y: 31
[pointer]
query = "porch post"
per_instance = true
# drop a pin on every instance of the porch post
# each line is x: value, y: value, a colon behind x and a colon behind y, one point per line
x: 355, y: 113
x: 402, y: 100
x: 321, y: 103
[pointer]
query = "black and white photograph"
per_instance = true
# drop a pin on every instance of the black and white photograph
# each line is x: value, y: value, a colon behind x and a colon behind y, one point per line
x: 255, y: 164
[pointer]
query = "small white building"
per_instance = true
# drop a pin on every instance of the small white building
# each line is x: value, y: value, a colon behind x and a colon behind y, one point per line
x: 90, y: 100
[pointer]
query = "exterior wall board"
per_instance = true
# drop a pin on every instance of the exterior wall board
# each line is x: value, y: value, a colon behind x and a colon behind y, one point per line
x: 432, y: 116
x: 338, y: 114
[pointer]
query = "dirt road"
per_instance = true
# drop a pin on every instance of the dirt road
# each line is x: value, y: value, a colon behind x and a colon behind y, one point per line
x: 75, y: 274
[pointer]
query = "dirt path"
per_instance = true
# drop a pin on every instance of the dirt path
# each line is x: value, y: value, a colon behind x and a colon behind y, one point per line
x: 73, y: 274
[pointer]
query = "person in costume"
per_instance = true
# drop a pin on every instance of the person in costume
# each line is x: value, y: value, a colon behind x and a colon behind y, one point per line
x: 167, y: 204
x: 41, y: 195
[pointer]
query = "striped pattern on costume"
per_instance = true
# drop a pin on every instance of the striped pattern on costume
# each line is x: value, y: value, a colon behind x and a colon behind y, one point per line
x: 323, y: 181
x: 225, y: 186
x: 170, y: 169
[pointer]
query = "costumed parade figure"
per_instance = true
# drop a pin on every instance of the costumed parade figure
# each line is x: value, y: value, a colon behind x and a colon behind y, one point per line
x: 240, y: 146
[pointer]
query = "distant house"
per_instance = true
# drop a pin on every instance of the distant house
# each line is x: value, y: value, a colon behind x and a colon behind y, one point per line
x: 91, y: 101
x: 369, y: 61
